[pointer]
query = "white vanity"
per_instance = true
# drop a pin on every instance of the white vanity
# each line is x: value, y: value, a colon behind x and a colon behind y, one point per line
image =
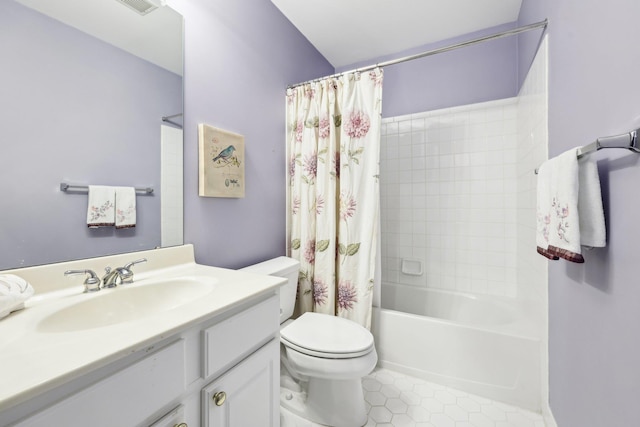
x: 184, y: 345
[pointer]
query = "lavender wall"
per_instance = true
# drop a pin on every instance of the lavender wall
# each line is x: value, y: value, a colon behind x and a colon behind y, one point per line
x: 594, y: 308
x: 239, y: 59
x: 478, y: 73
x: 75, y: 109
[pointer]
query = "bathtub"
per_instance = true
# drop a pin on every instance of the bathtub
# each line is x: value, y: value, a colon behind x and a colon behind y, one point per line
x: 476, y: 344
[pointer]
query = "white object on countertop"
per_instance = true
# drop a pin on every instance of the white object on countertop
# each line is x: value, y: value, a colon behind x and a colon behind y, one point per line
x: 14, y: 291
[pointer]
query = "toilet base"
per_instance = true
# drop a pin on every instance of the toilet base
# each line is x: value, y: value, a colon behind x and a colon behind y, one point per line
x: 336, y: 403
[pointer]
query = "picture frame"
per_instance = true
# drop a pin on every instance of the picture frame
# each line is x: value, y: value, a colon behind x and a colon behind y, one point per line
x: 220, y: 163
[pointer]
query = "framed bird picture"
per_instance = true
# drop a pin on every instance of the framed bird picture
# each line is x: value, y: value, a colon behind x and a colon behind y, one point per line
x: 221, y: 162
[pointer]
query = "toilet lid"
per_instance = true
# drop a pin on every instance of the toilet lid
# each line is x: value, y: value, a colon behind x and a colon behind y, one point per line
x: 327, y: 336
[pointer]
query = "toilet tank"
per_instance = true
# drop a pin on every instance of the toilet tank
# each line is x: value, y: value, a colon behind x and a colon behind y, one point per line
x: 281, y: 267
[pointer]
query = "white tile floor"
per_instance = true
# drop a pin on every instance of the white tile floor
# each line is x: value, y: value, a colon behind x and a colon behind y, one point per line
x: 398, y: 400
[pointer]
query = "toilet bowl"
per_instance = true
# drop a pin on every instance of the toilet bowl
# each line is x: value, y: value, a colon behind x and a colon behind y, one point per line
x: 332, y: 355
x: 323, y: 358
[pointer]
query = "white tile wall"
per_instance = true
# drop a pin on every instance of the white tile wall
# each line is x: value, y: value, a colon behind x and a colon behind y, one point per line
x: 458, y: 193
x: 449, y: 195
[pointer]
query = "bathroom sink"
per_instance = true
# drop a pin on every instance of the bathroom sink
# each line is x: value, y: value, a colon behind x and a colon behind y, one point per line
x: 127, y: 303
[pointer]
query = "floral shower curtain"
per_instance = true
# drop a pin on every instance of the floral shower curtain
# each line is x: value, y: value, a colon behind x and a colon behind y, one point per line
x: 333, y: 144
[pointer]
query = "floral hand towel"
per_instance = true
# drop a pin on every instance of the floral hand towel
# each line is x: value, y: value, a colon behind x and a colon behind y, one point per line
x: 544, y: 210
x: 101, y: 210
x: 569, y: 208
x: 125, y: 207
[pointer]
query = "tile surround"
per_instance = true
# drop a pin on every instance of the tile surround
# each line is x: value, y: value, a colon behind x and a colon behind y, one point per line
x: 398, y: 400
x: 448, y: 197
x: 471, y: 217
x: 457, y: 192
x: 532, y: 151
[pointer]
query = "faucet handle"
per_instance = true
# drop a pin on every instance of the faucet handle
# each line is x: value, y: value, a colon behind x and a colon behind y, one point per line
x: 126, y: 274
x: 91, y: 283
x: 132, y: 263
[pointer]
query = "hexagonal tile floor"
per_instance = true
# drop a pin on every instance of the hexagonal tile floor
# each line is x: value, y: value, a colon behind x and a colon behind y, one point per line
x: 398, y: 400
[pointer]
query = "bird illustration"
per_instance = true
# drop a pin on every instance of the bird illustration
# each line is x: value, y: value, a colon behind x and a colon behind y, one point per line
x: 225, y: 154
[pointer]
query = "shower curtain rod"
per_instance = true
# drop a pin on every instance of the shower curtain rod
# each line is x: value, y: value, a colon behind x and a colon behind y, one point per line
x: 541, y: 24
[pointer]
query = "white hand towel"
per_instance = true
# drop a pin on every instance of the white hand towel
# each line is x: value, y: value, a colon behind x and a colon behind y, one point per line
x: 593, y: 232
x: 125, y: 207
x: 101, y: 210
x: 570, y: 208
x: 14, y: 291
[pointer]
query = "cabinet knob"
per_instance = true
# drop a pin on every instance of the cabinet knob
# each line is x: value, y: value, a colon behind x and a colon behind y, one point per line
x: 181, y: 425
x: 219, y: 398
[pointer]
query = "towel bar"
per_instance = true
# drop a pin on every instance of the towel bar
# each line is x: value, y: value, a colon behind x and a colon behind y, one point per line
x: 626, y: 140
x: 64, y: 187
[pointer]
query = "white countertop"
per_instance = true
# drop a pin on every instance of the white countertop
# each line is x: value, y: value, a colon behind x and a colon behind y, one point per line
x: 33, y: 361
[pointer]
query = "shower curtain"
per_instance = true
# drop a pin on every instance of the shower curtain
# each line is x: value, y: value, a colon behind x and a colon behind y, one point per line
x: 333, y: 144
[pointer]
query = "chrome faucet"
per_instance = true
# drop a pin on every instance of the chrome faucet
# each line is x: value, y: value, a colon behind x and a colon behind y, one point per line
x: 91, y: 283
x: 111, y: 277
x: 119, y: 275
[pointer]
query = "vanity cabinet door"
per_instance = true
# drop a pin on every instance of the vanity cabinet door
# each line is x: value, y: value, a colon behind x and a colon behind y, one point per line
x: 125, y: 398
x: 229, y: 341
x: 247, y: 394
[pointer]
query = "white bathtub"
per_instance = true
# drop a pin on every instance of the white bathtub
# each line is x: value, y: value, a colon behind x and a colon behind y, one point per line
x: 473, y: 343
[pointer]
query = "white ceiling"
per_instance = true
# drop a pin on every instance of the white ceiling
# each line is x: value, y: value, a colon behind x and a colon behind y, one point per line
x: 349, y: 31
x: 155, y: 37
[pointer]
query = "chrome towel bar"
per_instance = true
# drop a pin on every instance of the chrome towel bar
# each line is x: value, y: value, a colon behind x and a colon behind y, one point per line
x: 627, y: 140
x: 85, y: 188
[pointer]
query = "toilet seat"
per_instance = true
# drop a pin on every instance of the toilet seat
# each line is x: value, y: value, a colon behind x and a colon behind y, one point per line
x: 326, y: 336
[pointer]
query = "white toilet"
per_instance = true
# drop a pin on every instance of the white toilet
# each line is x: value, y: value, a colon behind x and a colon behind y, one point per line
x: 323, y: 357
